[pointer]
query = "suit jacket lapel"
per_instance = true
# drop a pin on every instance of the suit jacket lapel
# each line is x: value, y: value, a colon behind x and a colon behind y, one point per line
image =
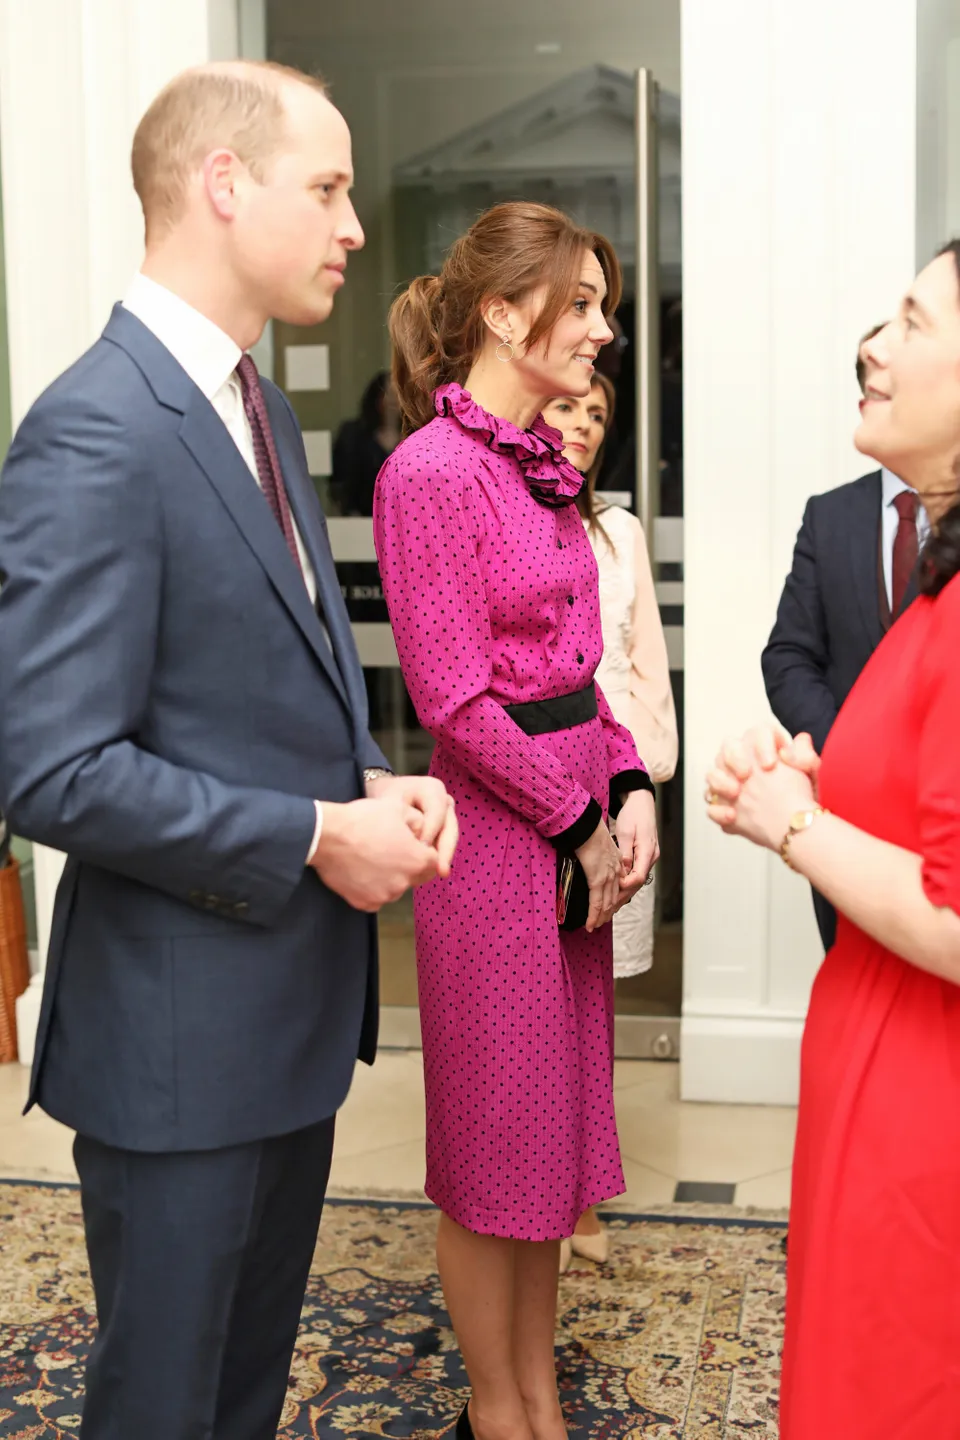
x: 863, y: 541
x: 305, y: 505
x: 207, y: 439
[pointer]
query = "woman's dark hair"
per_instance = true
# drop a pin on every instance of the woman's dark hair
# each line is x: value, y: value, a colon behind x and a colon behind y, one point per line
x: 587, y: 502
x: 941, y: 555
x: 437, y: 325
x: 371, y: 406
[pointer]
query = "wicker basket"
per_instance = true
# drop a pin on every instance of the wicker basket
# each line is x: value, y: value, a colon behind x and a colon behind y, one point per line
x: 14, y: 962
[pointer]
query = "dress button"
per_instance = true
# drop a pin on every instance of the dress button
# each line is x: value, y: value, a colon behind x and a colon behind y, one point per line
x: 579, y: 659
x: 559, y: 544
x: 569, y: 599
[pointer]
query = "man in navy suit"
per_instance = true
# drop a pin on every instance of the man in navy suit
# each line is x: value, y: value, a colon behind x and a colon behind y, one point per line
x: 183, y: 713
x: 854, y: 573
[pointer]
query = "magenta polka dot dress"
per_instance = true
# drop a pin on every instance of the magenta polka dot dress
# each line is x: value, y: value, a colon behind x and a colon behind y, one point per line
x: 492, y: 590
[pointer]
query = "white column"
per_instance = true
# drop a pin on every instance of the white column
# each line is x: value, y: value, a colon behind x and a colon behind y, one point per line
x: 75, y: 77
x: 799, y: 128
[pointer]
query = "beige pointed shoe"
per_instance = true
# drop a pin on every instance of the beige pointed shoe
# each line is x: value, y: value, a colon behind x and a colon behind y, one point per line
x: 593, y: 1247
x: 566, y: 1255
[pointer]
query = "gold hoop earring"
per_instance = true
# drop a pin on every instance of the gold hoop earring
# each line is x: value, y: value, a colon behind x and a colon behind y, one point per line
x: 505, y: 342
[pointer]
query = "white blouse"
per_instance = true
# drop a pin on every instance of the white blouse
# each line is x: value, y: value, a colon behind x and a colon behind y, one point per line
x: 634, y: 673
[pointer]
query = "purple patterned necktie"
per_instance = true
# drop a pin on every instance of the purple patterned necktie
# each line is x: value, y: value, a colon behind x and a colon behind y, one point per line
x: 906, y: 546
x: 265, y: 453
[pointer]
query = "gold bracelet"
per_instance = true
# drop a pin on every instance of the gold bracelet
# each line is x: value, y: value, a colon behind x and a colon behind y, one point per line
x: 800, y: 822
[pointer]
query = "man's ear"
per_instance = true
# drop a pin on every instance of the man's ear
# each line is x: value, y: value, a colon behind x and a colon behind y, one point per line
x: 221, y: 171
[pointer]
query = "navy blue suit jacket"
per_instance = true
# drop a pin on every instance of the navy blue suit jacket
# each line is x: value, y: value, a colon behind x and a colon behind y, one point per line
x: 831, y: 617
x: 169, y: 708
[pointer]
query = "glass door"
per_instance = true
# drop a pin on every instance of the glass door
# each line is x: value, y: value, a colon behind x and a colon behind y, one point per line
x: 448, y: 120
x: 651, y: 466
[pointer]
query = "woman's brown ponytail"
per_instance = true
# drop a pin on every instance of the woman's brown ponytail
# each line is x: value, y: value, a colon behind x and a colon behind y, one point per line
x: 418, y: 361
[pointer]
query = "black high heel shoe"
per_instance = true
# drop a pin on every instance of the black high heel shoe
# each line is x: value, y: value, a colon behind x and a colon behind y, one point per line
x: 464, y: 1429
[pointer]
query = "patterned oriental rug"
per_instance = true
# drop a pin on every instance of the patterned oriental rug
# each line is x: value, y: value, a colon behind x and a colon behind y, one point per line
x: 677, y: 1338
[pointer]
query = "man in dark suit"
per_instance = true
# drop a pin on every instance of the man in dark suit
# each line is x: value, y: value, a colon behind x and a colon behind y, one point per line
x: 854, y: 573
x: 183, y: 713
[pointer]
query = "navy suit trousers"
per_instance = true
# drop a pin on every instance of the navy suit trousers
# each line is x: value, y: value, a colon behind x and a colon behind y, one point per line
x: 199, y: 1263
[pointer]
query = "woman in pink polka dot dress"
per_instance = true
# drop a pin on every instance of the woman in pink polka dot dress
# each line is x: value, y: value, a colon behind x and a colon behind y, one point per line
x: 492, y: 590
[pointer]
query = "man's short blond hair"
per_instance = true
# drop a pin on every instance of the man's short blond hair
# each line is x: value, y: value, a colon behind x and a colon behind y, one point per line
x: 237, y: 105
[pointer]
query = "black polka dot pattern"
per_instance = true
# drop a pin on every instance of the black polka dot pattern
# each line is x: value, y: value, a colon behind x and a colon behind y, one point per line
x: 493, y: 599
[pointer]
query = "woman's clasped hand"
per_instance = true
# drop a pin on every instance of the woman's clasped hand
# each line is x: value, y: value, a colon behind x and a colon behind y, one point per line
x: 759, y: 782
x: 616, y: 870
x: 636, y: 828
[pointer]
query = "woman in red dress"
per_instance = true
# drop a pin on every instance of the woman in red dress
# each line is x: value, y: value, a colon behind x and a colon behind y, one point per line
x: 872, y: 1347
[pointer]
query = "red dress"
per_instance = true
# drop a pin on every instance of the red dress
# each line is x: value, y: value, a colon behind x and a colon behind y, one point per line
x: 873, y: 1299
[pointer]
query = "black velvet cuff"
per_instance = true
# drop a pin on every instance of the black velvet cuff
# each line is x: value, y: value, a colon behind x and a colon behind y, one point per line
x: 624, y: 784
x: 579, y: 832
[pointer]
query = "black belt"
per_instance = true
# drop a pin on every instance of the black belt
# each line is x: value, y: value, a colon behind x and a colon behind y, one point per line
x: 563, y: 712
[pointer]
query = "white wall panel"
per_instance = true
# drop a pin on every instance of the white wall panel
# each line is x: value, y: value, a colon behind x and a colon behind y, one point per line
x: 799, y: 214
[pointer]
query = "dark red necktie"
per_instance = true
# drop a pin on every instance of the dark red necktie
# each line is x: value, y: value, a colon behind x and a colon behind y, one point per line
x: 905, y: 547
x: 265, y: 453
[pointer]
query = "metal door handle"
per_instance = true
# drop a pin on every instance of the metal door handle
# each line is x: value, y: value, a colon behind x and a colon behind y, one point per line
x: 647, y: 306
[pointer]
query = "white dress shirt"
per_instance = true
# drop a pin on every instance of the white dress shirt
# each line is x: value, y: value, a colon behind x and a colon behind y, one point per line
x: 892, y: 487
x: 210, y: 358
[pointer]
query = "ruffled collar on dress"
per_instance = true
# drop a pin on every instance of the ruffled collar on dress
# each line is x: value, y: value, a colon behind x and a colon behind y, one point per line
x: 552, y: 479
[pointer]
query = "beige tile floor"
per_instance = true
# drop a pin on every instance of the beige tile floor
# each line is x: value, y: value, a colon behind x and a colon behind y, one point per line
x: 380, y: 1137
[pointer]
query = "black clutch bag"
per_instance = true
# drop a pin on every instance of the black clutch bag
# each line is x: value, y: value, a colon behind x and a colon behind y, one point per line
x: 573, y: 893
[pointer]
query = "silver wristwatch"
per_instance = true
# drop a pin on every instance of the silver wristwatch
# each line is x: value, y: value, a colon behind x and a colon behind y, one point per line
x: 376, y: 772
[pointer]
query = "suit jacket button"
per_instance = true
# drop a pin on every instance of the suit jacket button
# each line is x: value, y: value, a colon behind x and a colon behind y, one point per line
x: 240, y: 909
x: 213, y: 902
x: 196, y: 897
